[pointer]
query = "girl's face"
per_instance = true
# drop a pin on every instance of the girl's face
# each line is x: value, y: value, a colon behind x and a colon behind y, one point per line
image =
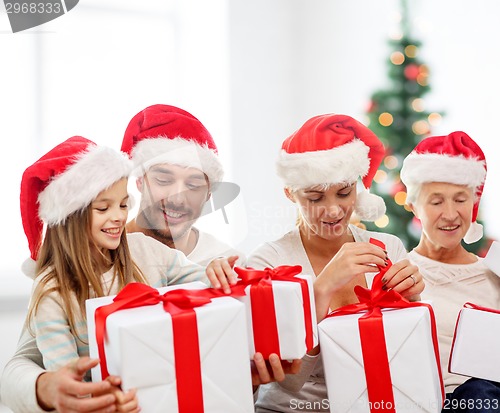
x: 325, y: 212
x: 109, y: 212
x: 445, y: 211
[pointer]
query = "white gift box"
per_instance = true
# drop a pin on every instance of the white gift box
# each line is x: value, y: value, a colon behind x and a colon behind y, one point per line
x: 139, y: 348
x: 492, y: 258
x: 475, y: 351
x: 414, y: 368
x: 290, y: 318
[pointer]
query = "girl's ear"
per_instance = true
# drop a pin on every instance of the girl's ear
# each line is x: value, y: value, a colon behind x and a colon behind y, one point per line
x: 289, y: 194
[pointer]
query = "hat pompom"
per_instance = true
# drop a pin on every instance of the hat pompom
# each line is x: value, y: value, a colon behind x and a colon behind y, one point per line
x: 28, y: 267
x: 369, y: 207
x: 474, y: 234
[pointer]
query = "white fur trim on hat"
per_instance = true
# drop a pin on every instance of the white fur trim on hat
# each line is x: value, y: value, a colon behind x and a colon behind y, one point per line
x: 474, y: 234
x: 176, y: 151
x: 28, y: 267
x: 430, y: 167
x: 344, y: 163
x: 93, y: 171
x: 369, y: 207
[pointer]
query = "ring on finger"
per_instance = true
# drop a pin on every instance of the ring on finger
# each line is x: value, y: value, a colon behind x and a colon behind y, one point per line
x: 413, y: 278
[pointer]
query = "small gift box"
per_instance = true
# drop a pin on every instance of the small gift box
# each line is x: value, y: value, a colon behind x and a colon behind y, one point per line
x: 381, y: 354
x: 474, y: 350
x: 181, y: 348
x: 281, y: 314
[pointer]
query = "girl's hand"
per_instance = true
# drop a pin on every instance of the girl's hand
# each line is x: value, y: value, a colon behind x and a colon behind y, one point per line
x: 220, y: 273
x: 127, y: 402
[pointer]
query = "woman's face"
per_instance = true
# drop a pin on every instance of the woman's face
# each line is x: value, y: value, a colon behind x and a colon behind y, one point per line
x: 325, y: 212
x: 445, y: 211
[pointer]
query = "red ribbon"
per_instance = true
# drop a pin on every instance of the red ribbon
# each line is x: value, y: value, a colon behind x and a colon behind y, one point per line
x: 371, y: 331
x: 478, y: 307
x: 180, y: 304
x: 264, y: 324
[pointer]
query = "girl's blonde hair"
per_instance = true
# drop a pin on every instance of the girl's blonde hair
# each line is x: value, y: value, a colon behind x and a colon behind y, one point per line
x: 71, y: 269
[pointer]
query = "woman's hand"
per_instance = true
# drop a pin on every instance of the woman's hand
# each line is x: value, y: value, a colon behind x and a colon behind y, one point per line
x: 352, y: 260
x: 274, y: 370
x: 404, y: 278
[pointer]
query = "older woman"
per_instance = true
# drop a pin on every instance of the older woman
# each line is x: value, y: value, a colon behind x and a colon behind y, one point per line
x: 444, y: 177
x: 320, y: 165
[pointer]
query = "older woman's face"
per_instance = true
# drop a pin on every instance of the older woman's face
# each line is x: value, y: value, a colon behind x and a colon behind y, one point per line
x: 445, y: 211
x: 326, y: 211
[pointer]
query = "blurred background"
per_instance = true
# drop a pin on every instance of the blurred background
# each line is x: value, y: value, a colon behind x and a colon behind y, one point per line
x: 252, y: 72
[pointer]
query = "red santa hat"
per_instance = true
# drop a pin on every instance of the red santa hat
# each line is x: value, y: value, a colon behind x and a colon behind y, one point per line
x: 65, y: 180
x: 331, y: 149
x: 455, y: 159
x: 167, y: 134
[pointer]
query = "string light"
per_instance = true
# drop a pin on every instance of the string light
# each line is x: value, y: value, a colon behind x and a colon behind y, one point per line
x: 400, y: 198
x: 397, y: 58
x: 420, y: 127
x: 411, y: 51
x: 380, y: 176
x: 391, y: 162
x: 382, y: 222
x: 423, y: 76
x: 418, y: 105
x: 385, y: 119
x: 434, y: 118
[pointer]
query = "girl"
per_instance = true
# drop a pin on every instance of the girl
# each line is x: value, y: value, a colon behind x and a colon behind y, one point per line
x: 79, y: 190
x: 320, y: 164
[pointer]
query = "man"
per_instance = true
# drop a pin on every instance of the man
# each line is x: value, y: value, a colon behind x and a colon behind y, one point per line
x: 177, y: 168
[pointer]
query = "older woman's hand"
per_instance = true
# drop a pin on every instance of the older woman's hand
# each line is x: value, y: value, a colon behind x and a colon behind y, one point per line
x: 404, y: 278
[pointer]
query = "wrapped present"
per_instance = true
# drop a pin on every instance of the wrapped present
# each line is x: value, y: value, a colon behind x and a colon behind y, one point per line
x: 381, y: 354
x: 281, y: 313
x: 181, y: 348
x: 474, y: 350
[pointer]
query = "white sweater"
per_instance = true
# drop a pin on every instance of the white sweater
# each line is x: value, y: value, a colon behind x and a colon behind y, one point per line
x: 159, y: 263
x: 307, y: 389
x: 208, y: 247
x: 449, y: 287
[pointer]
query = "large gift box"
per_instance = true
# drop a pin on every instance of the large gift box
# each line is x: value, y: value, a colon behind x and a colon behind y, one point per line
x: 475, y: 351
x: 281, y: 314
x: 182, y: 349
x: 381, y: 354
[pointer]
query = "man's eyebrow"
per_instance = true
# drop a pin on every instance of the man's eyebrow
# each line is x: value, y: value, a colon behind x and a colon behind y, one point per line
x: 165, y: 170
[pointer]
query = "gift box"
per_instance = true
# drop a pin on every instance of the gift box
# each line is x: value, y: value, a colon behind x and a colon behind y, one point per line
x: 280, y: 309
x: 492, y: 257
x: 474, y: 350
x: 381, y: 354
x: 182, y: 351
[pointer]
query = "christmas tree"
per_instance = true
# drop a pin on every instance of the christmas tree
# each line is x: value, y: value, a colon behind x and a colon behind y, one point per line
x: 398, y: 116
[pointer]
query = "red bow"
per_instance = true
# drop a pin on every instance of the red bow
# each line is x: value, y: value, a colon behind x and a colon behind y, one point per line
x: 180, y: 303
x: 371, y: 330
